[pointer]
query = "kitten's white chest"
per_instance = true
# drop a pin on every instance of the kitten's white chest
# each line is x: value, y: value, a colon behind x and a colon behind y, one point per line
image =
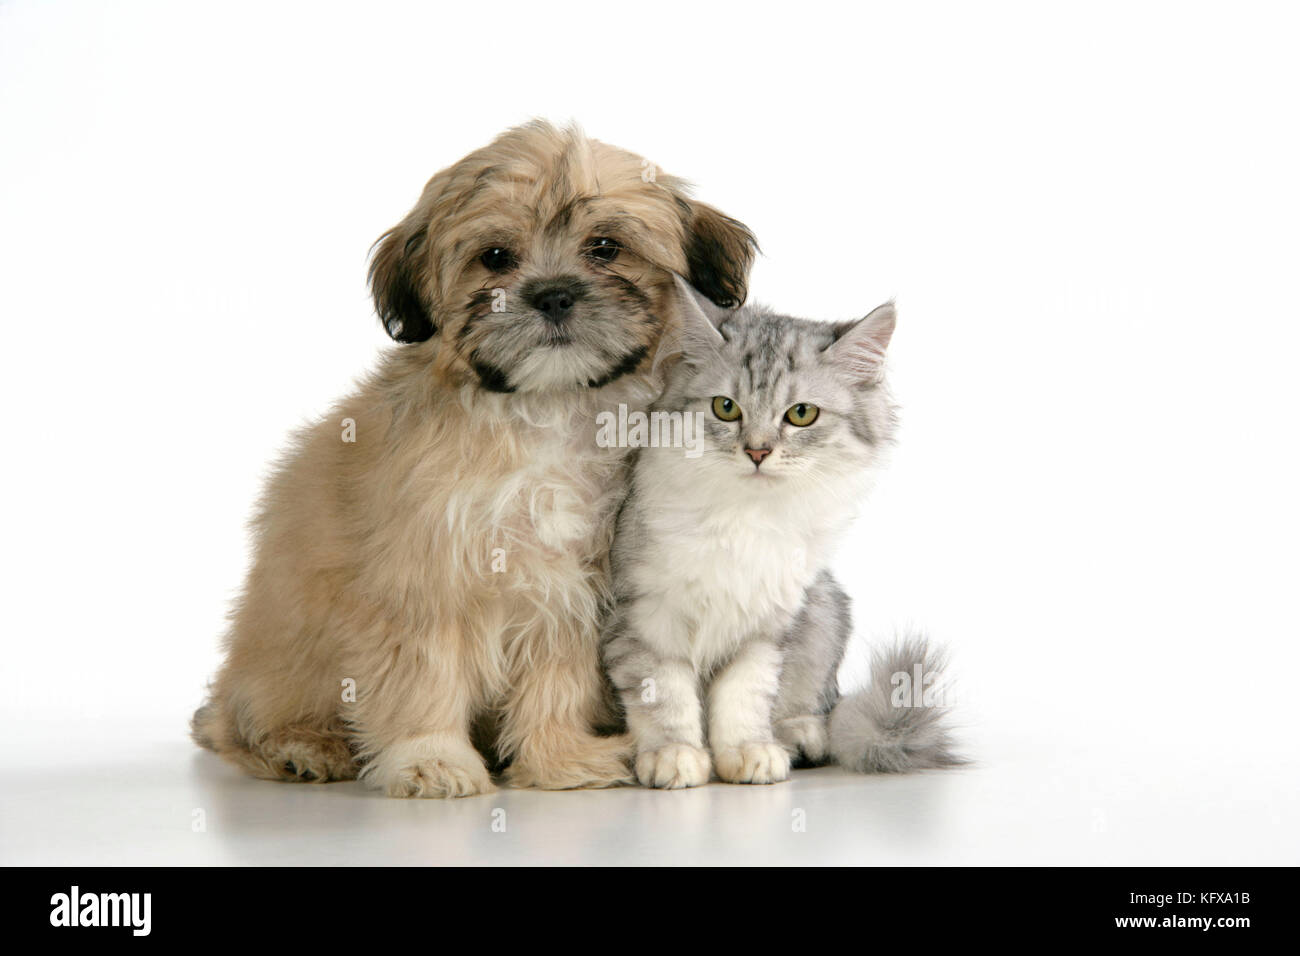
x: 733, y: 578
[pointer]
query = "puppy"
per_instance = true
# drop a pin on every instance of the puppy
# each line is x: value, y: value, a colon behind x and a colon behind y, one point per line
x: 431, y: 557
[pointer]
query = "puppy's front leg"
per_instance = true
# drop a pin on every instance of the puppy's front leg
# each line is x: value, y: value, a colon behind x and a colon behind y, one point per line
x: 740, y: 717
x: 547, y: 723
x: 412, y: 721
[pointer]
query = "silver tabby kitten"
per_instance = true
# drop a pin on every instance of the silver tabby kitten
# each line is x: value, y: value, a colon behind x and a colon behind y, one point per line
x: 728, y: 629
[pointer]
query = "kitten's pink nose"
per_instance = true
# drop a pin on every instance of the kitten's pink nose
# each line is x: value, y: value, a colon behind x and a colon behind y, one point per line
x: 758, y: 454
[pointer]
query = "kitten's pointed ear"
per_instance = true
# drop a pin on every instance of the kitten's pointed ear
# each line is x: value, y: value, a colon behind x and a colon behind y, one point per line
x: 701, y: 319
x: 859, y: 346
x: 696, y: 335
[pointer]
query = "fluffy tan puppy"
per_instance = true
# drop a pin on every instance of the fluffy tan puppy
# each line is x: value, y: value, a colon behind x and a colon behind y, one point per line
x: 431, y: 557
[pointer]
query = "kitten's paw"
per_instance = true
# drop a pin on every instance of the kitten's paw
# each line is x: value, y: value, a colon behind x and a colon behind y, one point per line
x: 591, y: 762
x: 673, y: 767
x: 754, y: 762
x: 435, y: 766
x: 804, y: 735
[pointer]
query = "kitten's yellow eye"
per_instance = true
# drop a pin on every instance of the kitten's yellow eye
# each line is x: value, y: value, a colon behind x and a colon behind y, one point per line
x: 802, y: 414
x: 725, y: 409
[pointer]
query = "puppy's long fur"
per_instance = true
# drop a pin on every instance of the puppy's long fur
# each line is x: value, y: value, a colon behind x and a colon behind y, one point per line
x: 448, y: 566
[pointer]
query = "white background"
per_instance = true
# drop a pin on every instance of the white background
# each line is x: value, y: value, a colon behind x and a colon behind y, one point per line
x: 1088, y: 214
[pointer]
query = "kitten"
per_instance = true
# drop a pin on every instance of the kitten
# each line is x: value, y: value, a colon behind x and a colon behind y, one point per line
x: 728, y: 629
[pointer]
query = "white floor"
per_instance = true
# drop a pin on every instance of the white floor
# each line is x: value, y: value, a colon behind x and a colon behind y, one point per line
x: 140, y: 793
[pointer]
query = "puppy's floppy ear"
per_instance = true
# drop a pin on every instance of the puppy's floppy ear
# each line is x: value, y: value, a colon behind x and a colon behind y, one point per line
x: 719, y: 252
x: 395, y: 283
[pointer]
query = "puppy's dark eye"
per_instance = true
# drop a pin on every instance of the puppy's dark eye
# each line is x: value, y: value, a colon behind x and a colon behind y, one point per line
x: 497, y: 259
x: 602, y: 249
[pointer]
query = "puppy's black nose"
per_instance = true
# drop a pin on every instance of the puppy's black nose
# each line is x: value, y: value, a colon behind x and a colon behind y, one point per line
x: 554, y: 301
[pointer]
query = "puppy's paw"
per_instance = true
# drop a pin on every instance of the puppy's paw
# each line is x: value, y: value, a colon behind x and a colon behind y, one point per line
x: 438, y: 778
x: 804, y: 735
x: 434, y: 766
x: 590, y: 761
x: 304, y: 754
x: 754, y: 762
x: 673, y: 767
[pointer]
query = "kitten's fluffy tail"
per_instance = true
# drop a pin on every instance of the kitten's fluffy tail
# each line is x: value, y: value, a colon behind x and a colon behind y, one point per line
x: 889, y: 726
